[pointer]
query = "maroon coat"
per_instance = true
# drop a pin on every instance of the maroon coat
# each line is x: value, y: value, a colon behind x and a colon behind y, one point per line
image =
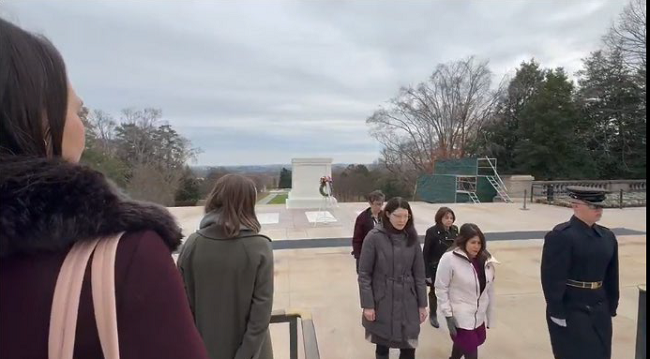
x: 45, y: 207
x: 362, y: 226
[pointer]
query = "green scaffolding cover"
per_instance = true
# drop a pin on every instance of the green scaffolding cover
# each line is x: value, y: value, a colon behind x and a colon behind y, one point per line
x: 484, y: 190
x: 441, y: 186
x: 437, y: 189
x: 458, y: 167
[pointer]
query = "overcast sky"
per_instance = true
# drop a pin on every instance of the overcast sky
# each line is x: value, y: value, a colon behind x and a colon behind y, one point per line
x: 262, y: 82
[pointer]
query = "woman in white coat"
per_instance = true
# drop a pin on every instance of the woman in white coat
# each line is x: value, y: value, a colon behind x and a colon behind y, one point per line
x: 465, y: 289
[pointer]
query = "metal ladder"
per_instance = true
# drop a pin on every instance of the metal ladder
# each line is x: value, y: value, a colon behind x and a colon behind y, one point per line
x: 467, y: 185
x: 497, y: 183
x: 499, y: 188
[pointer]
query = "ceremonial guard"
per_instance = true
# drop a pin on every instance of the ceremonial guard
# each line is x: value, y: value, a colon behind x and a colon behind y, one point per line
x: 580, y: 280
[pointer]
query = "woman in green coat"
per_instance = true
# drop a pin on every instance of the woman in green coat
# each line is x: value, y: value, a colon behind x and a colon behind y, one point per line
x: 227, y: 267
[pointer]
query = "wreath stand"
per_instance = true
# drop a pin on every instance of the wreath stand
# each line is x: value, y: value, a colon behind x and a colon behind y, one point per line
x: 325, y: 204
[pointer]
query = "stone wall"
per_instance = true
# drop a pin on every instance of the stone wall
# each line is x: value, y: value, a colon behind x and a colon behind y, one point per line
x: 630, y: 199
x: 518, y: 186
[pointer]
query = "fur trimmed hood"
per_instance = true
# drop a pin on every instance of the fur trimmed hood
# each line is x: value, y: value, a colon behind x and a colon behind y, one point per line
x: 46, y: 205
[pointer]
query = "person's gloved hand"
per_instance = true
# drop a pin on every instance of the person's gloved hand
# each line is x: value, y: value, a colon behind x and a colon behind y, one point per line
x: 452, y: 325
x: 560, y: 322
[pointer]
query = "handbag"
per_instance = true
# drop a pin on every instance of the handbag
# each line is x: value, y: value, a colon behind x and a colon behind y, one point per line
x: 65, y: 305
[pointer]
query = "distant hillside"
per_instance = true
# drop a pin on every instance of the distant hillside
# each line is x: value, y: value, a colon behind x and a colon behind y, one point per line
x: 202, y: 171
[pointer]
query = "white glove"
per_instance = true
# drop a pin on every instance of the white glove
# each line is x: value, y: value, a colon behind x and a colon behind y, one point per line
x: 560, y: 322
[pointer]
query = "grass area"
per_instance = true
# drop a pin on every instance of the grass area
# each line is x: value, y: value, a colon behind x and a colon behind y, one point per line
x: 279, y: 199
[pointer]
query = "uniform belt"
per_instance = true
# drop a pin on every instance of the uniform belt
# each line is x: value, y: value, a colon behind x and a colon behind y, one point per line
x: 583, y: 285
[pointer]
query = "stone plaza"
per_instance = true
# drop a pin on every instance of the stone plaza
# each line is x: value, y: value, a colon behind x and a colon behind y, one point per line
x: 315, y: 272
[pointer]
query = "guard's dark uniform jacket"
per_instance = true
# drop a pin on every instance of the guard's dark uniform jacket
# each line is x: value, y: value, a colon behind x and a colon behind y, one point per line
x: 573, y: 251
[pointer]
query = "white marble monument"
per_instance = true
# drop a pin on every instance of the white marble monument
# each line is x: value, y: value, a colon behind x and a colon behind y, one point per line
x: 305, y: 183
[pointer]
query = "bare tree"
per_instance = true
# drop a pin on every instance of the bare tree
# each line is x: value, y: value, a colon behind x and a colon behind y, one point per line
x: 148, y: 183
x: 435, y: 119
x: 400, y: 166
x: 136, y: 135
x: 628, y: 35
x: 102, y: 127
x: 147, y: 118
x: 353, y: 183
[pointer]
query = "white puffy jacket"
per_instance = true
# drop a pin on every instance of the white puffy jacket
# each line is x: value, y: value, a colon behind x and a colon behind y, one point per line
x: 458, y: 290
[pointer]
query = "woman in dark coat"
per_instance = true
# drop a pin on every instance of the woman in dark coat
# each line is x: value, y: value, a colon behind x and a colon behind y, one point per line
x: 366, y: 221
x: 228, y: 271
x: 48, y: 203
x: 392, y: 282
x: 438, y: 240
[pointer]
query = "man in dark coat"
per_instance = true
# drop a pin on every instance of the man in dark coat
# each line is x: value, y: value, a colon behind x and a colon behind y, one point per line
x: 366, y: 221
x: 580, y: 280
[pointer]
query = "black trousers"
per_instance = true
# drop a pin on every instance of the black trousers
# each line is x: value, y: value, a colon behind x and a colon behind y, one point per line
x: 433, y: 301
x: 457, y: 353
x: 588, y: 334
x: 403, y: 353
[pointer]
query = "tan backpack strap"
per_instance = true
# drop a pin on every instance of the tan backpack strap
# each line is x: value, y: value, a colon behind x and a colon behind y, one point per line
x: 103, y: 287
x: 65, y: 304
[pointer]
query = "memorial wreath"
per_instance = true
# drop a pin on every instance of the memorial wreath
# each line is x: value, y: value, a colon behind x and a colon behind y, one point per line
x: 325, y: 182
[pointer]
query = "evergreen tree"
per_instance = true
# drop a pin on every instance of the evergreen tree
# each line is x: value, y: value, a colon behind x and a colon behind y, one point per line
x: 285, y: 178
x: 548, y: 147
x: 499, y: 137
x: 613, y: 108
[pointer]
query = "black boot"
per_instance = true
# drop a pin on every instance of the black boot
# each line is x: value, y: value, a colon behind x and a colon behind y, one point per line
x: 382, y: 352
x: 456, y: 353
x: 433, y: 319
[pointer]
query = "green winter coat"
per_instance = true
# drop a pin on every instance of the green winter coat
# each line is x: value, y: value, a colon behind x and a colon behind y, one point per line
x: 229, y: 284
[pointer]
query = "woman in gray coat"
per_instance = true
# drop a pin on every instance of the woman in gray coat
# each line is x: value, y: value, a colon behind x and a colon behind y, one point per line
x: 227, y: 267
x: 392, y: 282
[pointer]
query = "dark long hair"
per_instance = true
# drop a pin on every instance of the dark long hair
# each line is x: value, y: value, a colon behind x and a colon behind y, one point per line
x: 33, y: 94
x: 234, y: 197
x: 391, y: 206
x: 467, y: 232
x: 442, y: 212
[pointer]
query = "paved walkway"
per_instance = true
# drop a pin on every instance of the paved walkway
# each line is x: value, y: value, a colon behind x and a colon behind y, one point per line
x: 267, y: 199
x: 489, y: 236
x: 322, y: 280
x: 293, y: 224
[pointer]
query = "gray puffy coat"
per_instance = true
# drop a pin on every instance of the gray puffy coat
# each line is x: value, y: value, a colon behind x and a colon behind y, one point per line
x: 392, y: 281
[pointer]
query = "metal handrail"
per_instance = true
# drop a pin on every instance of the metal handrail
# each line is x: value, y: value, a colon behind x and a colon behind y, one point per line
x: 308, y: 331
x: 641, y: 325
x: 560, y: 186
